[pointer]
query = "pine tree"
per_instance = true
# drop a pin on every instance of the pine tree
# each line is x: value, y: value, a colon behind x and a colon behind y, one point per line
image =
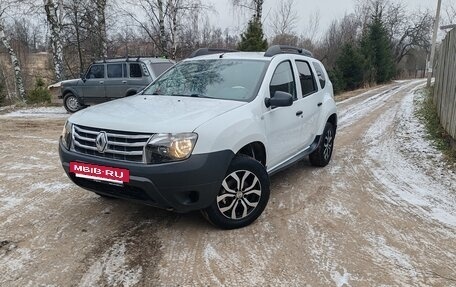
x: 350, y: 65
x: 253, y: 38
x: 376, y: 48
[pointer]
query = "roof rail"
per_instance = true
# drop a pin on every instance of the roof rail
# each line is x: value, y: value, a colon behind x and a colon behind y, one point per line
x: 284, y: 49
x: 128, y: 58
x: 210, y: 51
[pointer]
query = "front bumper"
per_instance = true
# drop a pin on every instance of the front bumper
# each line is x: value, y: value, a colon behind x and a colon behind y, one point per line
x: 184, y: 186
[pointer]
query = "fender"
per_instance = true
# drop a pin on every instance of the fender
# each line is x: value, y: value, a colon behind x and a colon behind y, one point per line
x: 131, y: 92
x: 328, y: 109
x: 73, y: 91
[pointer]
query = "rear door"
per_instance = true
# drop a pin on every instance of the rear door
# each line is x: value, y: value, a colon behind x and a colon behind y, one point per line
x: 310, y: 101
x: 116, y: 82
x: 93, y: 87
x: 139, y: 76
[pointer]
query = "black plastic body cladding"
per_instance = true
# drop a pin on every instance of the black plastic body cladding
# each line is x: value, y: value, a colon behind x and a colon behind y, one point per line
x: 181, y: 186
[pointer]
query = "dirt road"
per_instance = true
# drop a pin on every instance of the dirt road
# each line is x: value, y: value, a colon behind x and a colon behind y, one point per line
x: 382, y: 214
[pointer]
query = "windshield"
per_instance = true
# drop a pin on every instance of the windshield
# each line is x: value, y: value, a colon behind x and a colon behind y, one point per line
x: 219, y: 79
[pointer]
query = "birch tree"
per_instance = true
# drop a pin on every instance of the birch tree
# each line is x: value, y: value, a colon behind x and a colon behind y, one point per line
x: 101, y: 16
x: 162, y: 21
x: 19, y: 80
x: 53, y: 15
x: 255, y: 6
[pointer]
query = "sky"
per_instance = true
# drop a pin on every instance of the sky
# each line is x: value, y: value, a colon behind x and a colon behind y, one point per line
x: 328, y: 10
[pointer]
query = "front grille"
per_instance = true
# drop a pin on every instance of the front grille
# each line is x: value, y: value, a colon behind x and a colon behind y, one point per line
x: 125, y: 146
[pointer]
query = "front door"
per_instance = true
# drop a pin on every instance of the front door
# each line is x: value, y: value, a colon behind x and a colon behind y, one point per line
x: 283, y: 124
x: 116, y: 82
x: 93, y: 87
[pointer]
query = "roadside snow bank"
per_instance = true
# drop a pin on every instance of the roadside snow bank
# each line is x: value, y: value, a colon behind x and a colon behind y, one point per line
x: 412, y: 170
x: 41, y: 112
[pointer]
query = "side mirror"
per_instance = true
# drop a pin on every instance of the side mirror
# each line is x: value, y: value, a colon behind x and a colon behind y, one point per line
x: 280, y: 99
x: 82, y: 76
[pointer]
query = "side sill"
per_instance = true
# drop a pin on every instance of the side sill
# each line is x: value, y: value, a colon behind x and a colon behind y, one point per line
x: 295, y: 158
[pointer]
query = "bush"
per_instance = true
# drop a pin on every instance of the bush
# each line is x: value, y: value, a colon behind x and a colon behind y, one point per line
x: 40, y: 94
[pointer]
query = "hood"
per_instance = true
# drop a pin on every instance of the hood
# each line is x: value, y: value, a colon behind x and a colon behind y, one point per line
x: 153, y: 114
x: 73, y: 82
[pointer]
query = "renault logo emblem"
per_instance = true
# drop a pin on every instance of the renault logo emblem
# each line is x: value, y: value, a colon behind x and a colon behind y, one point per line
x: 101, y: 142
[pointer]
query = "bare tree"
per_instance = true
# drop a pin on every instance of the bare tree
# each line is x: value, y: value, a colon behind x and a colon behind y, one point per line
x: 162, y: 21
x: 20, y: 89
x: 255, y: 6
x: 340, y: 32
x: 449, y: 14
x: 414, y: 34
x: 285, y: 18
x: 310, y: 31
x: 53, y: 10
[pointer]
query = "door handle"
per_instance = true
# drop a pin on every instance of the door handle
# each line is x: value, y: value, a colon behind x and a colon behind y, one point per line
x: 124, y: 82
x: 299, y: 113
x: 101, y: 82
x: 319, y: 104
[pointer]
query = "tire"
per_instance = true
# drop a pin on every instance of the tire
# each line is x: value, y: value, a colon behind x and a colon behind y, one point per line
x: 322, y: 155
x: 71, y: 103
x: 243, y: 195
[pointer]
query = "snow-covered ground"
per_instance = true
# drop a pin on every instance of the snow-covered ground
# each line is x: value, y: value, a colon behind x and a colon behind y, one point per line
x: 39, y: 112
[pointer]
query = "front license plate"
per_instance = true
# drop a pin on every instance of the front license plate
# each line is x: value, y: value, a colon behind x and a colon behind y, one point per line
x: 100, y: 173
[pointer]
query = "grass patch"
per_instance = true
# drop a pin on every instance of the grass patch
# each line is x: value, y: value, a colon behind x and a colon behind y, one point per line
x: 427, y: 113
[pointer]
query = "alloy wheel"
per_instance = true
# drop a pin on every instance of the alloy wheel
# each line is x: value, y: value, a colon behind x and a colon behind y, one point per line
x: 239, y: 195
x: 328, y: 144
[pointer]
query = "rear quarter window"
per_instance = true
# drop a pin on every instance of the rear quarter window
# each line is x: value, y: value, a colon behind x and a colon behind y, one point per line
x: 320, y: 74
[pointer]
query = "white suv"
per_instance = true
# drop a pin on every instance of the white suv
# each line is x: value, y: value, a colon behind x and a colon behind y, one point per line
x: 207, y: 134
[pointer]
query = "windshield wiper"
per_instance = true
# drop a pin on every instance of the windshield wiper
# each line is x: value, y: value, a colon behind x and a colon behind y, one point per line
x: 191, y: 95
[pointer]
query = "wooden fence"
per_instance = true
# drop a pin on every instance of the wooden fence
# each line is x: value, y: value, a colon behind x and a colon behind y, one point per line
x: 445, y: 84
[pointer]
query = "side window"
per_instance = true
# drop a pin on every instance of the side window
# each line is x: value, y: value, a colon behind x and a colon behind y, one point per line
x: 283, y: 80
x: 114, y: 70
x: 320, y: 74
x: 308, y: 84
x: 96, y: 72
x: 145, y: 70
x: 135, y: 70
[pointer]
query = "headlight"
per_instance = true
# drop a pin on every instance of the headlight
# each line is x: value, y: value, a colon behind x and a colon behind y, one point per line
x: 170, y: 147
x: 66, y: 135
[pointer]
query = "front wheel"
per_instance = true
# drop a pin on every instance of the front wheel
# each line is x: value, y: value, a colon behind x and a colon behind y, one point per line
x: 71, y: 103
x: 243, y: 195
x: 322, y: 155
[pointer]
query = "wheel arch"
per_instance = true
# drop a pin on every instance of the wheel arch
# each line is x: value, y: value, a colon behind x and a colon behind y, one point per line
x: 68, y: 90
x: 333, y: 120
x: 131, y: 92
x: 256, y: 150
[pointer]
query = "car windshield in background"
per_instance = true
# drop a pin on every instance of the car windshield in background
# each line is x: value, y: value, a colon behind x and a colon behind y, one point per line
x: 224, y: 79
